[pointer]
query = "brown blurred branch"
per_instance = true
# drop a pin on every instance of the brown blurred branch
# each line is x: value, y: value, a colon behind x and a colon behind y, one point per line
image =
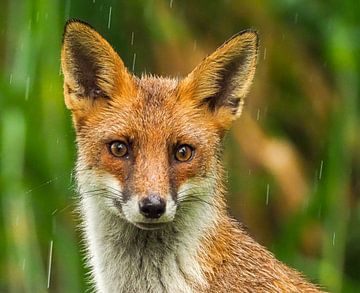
x: 278, y: 157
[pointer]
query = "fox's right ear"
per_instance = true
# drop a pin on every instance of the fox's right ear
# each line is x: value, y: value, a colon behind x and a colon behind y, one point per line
x: 91, y: 67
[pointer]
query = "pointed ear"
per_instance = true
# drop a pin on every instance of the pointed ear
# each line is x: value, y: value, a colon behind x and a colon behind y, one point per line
x: 221, y: 81
x: 92, y: 69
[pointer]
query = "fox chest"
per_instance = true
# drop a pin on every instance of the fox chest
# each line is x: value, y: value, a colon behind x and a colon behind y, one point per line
x: 154, y: 272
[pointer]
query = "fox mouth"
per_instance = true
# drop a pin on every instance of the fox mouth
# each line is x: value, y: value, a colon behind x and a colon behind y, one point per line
x: 150, y: 226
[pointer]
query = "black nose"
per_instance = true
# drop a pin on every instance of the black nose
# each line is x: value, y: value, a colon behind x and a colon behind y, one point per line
x: 152, y: 206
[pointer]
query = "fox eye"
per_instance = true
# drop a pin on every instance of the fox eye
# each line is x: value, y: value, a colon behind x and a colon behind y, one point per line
x: 118, y: 149
x: 184, y: 153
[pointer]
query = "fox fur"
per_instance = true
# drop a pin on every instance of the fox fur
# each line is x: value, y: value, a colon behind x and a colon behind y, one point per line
x: 195, y: 246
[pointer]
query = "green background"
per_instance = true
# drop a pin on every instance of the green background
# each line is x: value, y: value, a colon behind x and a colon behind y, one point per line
x: 293, y: 157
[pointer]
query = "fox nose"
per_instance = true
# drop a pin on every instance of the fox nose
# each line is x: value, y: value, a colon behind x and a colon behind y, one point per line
x: 152, y: 206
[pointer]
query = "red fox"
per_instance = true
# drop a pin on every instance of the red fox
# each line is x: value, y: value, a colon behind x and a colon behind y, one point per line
x: 150, y: 175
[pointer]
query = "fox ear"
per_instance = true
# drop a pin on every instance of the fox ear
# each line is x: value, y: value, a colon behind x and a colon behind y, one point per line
x: 221, y: 81
x: 91, y: 67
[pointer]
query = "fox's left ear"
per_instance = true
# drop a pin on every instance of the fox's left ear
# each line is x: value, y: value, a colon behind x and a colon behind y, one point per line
x: 221, y: 81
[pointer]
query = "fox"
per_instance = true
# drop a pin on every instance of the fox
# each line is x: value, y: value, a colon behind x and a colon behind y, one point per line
x: 150, y: 176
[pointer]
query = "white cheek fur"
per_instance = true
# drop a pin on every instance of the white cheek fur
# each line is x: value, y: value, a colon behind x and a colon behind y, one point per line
x: 104, y: 186
x: 100, y: 187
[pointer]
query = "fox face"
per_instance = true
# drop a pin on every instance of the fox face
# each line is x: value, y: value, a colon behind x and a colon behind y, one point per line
x: 150, y: 147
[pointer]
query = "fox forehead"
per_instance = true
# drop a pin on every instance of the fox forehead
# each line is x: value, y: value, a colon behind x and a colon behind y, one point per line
x: 153, y: 120
x: 156, y: 111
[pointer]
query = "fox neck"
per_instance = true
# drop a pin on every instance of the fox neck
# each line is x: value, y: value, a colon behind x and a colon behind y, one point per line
x: 124, y: 258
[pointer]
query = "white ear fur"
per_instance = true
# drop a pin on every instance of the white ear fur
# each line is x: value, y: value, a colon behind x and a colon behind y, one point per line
x: 222, y: 80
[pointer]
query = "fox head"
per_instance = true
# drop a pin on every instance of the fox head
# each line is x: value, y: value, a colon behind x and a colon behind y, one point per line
x: 149, y: 146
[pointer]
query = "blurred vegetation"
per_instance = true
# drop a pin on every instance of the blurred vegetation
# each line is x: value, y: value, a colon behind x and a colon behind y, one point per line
x: 293, y: 157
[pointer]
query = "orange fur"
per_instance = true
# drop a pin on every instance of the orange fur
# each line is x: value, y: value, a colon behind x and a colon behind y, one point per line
x: 154, y: 115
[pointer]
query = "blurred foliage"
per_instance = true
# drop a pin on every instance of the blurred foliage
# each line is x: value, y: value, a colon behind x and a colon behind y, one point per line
x: 293, y: 157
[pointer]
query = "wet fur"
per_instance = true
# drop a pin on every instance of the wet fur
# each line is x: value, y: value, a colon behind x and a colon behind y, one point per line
x: 202, y: 249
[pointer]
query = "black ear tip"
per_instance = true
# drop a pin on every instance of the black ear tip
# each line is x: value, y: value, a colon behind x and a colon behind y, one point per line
x: 250, y: 34
x: 250, y: 31
x: 74, y: 21
x: 247, y: 35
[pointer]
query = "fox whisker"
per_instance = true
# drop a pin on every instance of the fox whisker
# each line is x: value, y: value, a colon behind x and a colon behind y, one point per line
x: 195, y: 198
x: 105, y: 193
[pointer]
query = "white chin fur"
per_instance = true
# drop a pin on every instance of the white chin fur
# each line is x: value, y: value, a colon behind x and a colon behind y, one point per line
x: 125, y: 259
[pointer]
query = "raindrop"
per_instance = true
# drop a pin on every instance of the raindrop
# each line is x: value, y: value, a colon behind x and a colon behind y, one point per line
x: 296, y: 18
x: 27, y: 88
x: 195, y: 45
x: 11, y: 79
x: 171, y: 3
x: 321, y: 169
x: 267, y: 194
x: 53, y: 225
x: 23, y: 264
x: 258, y: 114
x: 264, y: 53
x: 333, y: 239
x: 93, y: 1
x: 133, y: 63
x: 109, y: 20
x: 132, y: 38
x: 49, y: 264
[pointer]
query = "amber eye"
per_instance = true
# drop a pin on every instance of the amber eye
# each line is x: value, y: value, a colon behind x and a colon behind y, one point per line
x: 118, y: 149
x: 183, y: 153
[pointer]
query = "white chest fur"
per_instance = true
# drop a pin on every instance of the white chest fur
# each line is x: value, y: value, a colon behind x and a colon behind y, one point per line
x: 124, y: 258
